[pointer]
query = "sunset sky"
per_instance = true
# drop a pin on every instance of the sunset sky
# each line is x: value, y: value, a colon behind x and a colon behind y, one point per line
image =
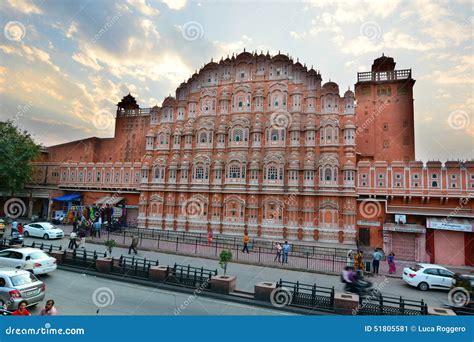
x: 62, y: 62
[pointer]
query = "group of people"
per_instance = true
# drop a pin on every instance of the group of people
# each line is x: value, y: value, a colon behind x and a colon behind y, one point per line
x: 282, y: 252
x: 356, y: 261
x: 48, y: 310
x: 17, y: 227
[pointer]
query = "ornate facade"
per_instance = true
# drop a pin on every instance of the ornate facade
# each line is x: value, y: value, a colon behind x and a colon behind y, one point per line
x: 259, y: 144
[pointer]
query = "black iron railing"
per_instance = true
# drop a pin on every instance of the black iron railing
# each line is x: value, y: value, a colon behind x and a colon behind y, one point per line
x: 308, y: 296
x: 190, y: 276
x: 133, y: 266
x: 378, y: 304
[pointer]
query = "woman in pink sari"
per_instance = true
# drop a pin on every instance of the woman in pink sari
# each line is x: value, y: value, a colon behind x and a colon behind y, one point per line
x: 391, y: 263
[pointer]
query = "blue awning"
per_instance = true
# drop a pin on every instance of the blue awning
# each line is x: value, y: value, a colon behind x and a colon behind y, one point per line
x: 67, y: 198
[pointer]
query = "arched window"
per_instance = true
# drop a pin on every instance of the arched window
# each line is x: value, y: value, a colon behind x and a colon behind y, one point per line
x: 238, y: 134
x: 199, y: 173
x: 274, y: 135
x: 234, y: 171
x: 203, y: 137
x: 272, y: 173
x: 327, y: 174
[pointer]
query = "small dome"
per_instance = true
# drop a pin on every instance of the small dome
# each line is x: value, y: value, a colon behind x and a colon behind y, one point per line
x: 349, y: 93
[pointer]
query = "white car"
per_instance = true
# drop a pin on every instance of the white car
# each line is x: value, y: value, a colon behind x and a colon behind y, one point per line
x: 24, y: 258
x: 428, y: 276
x: 44, y: 230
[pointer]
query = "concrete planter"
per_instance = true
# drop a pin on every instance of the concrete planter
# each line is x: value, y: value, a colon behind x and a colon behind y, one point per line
x: 440, y: 311
x: 58, y: 255
x: 223, y: 284
x: 158, y: 273
x: 103, y: 265
x: 263, y: 290
x: 346, y: 303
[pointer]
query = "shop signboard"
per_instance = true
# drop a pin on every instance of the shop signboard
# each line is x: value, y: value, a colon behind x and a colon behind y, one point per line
x: 368, y: 223
x: 446, y: 224
x: 117, y: 212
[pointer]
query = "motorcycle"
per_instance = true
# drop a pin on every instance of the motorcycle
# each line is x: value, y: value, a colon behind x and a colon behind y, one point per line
x: 359, y: 286
x: 15, y: 239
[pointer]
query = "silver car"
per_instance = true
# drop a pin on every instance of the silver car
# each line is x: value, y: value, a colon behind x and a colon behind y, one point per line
x: 17, y: 285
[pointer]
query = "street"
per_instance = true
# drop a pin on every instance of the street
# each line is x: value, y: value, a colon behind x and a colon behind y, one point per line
x: 80, y: 294
x: 249, y: 275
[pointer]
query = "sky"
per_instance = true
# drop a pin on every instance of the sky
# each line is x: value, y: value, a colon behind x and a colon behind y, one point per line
x: 65, y: 64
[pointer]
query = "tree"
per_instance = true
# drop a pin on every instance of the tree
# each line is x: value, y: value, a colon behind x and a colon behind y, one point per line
x: 110, y: 244
x: 224, y: 258
x: 17, y: 151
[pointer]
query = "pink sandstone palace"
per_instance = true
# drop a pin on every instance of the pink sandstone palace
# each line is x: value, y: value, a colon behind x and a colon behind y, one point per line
x: 257, y: 143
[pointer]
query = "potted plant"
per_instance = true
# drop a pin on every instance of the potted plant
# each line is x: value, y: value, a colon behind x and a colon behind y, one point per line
x: 224, y: 258
x: 110, y: 244
x: 224, y: 283
x: 104, y: 265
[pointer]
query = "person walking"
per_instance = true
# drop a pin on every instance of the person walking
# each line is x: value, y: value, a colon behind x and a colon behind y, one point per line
x: 133, y: 245
x: 29, y: 264
x: 376, y: 257
x: 49, y: 309
x: 72, y: 240
x: 20, y: 229
x: 246, y: 243
x: 286, y: 250
x: 21, y: 311
x: 14, y: 225
x: 350, y: 259
x: 74, y: 225
x: 359, y: 261
x: 209, y: 238
x: 97, y: 228
x: 278, y: 252
x: 392, y: 269
x: 82, y: 238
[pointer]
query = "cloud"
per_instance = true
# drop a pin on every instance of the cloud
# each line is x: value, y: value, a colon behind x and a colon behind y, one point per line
x: 398, y: 40
x: 461, y: 73
x: 31, y: 53
x: 23, y: 6
x: 175, y: 4
x: 143, y: 7
x: 87, y: 61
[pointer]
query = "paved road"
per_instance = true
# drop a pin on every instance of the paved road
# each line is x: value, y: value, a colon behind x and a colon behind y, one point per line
x: 249, y: 275
x: 80, y: 294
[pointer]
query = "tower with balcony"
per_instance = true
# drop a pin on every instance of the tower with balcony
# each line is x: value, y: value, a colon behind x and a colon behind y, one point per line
x: 384, y: 112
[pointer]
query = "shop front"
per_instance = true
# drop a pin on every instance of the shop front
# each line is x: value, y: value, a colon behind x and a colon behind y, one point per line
x: 407, y: 241
x: 445, y: 235
x: 369, y: 233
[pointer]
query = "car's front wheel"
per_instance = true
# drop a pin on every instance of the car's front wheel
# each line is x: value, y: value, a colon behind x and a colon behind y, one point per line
x: 26, y: 234
x: 423, y: 286
x: 46, y: 236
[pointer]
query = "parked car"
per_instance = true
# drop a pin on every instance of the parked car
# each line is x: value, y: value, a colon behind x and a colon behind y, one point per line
x: 17, y: 285
x: 45, y: 230
x: 20, y: 257
x: 428, y: 276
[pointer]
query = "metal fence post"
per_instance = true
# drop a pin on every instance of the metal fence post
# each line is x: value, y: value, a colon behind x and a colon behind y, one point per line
x: 159, y: 237
x: 307, y: 260
x: 177, y: 241
x: 259, y: 254
x: 196, y: 247
x: 216, y: 243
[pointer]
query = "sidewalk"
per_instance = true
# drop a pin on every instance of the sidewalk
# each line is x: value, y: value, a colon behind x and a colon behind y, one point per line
x: 319, y: 264
x: 249, y: 274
